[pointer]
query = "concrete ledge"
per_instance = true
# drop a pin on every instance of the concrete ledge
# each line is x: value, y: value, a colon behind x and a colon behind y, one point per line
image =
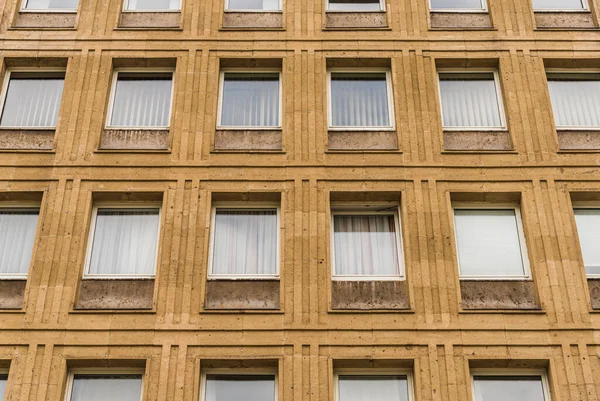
x: 248, y: 140
x: 498, y: 294
x: 367, y: 295
x: 45, y: 20
x: 335, y: 19
x: 11, y: 294
x: 242, y: 294
x: 578, y: 140
x: 115, y: 294
x: 134, y: 139
x: 131, y: 19
x: 460, y: 20
x: 564, y: 20
x: 362, y: 140
x: 477, y: 140
x: 233, y: 19
x: 594, y: 287
x: 27, y: 139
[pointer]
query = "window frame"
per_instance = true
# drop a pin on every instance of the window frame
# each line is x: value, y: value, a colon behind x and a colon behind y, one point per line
x: 26, y: 70
x: 102, y: 372
x: 250, y: 71
x: 382, y: 9
x: 16, y: 206
x: 250, y: 10
x: 499, y: 98
x: 348, y: 209
x: 113, y: 89
x: 373, y: 372
x: 584, y: 3
x: 238, y: 372
x: 520, y: 232
x: 238, y: 206
x: 390, y: 99
x: 92, y: 231
x: 129, y: 10
x: 542, y: 373
x: 584, y: 205
x: 483, y: 9
x: 23, y: 9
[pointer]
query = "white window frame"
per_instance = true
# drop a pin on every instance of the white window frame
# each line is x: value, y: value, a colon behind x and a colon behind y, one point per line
x: 249, y: 71
x: 348, y: 209
x: 22, y: 206
x: 499, y: 98
x: 249, y: 10
x: 381, y: 9
x: 584, y: 4
x: 512, y: 372
x: 520, y: 232
x: 373, y: 372
x: 129, y: 10
x: 4, y: 94
x: 23, y: 9
x: 257, y: 206
x: 90, y: 244
x: 584, y: 205
x: 483, y: 9
x: 113, y: 89
x: 102, y: 372
x: 390, y: 99
x: 238, y: 372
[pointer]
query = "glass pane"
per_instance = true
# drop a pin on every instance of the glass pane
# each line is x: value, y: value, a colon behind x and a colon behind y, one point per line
x: 240, y: 388
x: 354, y: 5
x: 250, y: 100
x: 457, y: 4
x: 365, y: 245
x: 245, y: 242
x: 558, y: 4
x: 125, y: 241
x: 107, y: 387
x: 469, y: 100
x: 32, y: 102
x: 588, y: 228
x: 17, y: 236
x: 142, y: 100
x: 380, y: 388
x: 513, y: 388
x: 575, y: 100
x: 359, y: 100
x: 153, y: 5
x: 3, y: 379
x: 260, y: 5
x: 52, y: 4
x: 488, y: 243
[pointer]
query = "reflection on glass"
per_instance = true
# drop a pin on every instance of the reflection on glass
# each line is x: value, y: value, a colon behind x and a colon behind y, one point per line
x: 513, y: 388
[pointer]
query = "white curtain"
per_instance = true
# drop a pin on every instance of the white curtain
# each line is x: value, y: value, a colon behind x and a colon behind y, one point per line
x: 264, y: 5
x: 558, y: 4
x: 575, y: 102
x: 107, y: 388
x: 250, y: 100
x: 32, y: 102
x: 365, y: 245
x: 469, y: 100
x: 240, y: 388
x: 508, y: 388
x: 17, y: 235
x: 142, y: 100
x: 456, y: 4
x: 3, y: 379
x: 153, y: 5
x: 52, y: 4
x: 488, y: 243
x: 245, y: 242
x: 588, y: 228
x: 125, y: 242
x: 354, y: 5
x: 359, y: 100
x: 377, y: 388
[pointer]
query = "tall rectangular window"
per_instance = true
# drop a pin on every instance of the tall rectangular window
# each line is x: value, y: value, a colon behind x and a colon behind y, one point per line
x: 588, y: 229
x: 490, y: 243
x: 17, y: 236
x: 360, y: 100
x: 250, y: 100
x: 152, y: 5
x: 355, y: 5
x: 458, y: 5
x: 141, y: 100
x: 252, y: 5
x: 510, y: 387
x: 245, y: 242
x: 575, y: 99
x: 107, y: 386
x: 367, y: 387
x: 3, y: 380
x: 51, y: 5
x: 234, y: 387
x: 32, y: 99
x: 366, y: 245
x: 123, y: 241
x: 559, y: 5
x: 471, y: 100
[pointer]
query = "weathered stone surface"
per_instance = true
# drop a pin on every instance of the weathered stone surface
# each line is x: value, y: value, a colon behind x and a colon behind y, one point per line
x: 363, y: 140
x: 578, y: 140
x: 150, y: 19
x: 335, y: 19
x: 45, y: 20
x: 368, y: 295
x: 498, y: 294
x: 242, y: 294
x: 26, y: 139
x: 594, y: 287
x: 115, y: 294
x: 134, y: 139
x: 248, y: 140
x: 564, y: 20
x: 11, y: 293
x: 460, y: 20
x: 477, y: 140
x: 252, y: 19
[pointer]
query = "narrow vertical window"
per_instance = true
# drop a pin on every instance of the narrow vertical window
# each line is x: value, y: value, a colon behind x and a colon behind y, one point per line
x: 58, y: 5
x: 232, y: 387
x: 559, y: 5
x: 113, y: 387
x: 575, y: 99
x: 362, y: 387
x: 3, y: 380
x: 252, y: 5
x: 17, y: 236
x: 152, y: 5
x: 354, y: 5
x: 458, y: 5
x: 588, y: 229
x: 514, y: 388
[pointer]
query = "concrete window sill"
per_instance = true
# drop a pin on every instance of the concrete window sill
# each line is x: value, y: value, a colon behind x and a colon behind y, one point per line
x: 369, y: 295
x: 594, y: 287
x: 582, y: 140
x: 252, y: 20
x: 248, y: 140
x: 132, y: 19
x: 498, y: 295
x: 45, y: 20
x: 477, y: 141
x: 12, y: 293
x: 27, y: 139
x: 362, y: 140
x: 115, y: 294
x: 562, y: 20
x: 242, y: 294
x: 134, y: 139
x: 445, y: 20
x: 370, y: 20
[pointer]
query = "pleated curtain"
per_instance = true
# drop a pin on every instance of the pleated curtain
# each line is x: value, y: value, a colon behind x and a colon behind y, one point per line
x: 250, y: 100
x: 504, y: 388
x: 52, y: 4
x: 365, y: 245
x: 575, y: 102
x: 359, y: 100
x: 368, y: 388
x: 106, y: 388
x: 245, y: 242
x: 456, y: 4
x: 17, y: 236
x: 153, y: 4
x: 558, y: 4
x: 240, y: 388
x: 588, y: 228
x: 32, y: 102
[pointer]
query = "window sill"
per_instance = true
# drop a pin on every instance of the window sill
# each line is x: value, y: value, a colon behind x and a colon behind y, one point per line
x: 262, y: 140
x: 360, y: 151
x: 460, y: 20
x: 243, y: 294
x: 356, y: 20
x: 113, y: 311
x: 577, y: 140
x: 55, y: 20
x: 477, y: 140
x: 370, y: 311
x: 538, y: 311
x: 255, y: 20
x: 170, y: 20
x: 143, y: 139
x: 27, y: 139
x: 362, y: 140
x: 564, y: 20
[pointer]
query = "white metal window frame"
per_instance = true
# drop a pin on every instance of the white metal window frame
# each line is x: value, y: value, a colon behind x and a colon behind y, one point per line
x: 248, y: 71
x: 584, y: 205
x: 102, y: 372
x: 27, y: 71
x: 22, y: 206
x: 373, y: 372
x: 517, y: 373
x: 113, y: 90
x: 584, y: 4
x: 23, y: 9
x: 239, y: 372
x: 499, y: 98
x: 520, y: 232
x: 252, y: 10
x: 381, y: 9
x: 159, y: 10
x: 91, y: 235
x: 349, y: 209
x: 250, y: 206
x: 483, y: 9
x: 390, y: 99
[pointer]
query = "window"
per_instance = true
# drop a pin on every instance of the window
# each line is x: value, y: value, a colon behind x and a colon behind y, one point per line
x: 17, y: 236
x: 575, y: 99
x: 522, y: 387
x: 559, y: 5
x: 245, y: 242
x: 355, y: 5
x: 247, y: 387
x: 250, y: 100
x: 3, y: 380
x: 141, y: 100
x: 490, y: 242
x: 32, y: 99
x: 152, y: 5
x: 360, y: 100
x: 50, y: 5
x: 471, y: 100
x: 108, y: 385
x: 364, y: 386
x: 366, y: 244
x: 588, y: 229
x: 458, y: 5
x: 252, y: 5
x: 123, y: 241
